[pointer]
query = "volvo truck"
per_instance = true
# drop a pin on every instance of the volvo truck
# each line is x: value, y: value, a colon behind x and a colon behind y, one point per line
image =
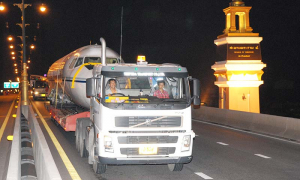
x: 132, y: 125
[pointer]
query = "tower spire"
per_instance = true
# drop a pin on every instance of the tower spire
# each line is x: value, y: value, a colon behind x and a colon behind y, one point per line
x: 237, y: 3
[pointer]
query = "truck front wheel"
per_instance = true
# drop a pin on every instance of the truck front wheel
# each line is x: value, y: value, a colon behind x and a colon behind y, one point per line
x: 175, y: 167
x: 99, y: 168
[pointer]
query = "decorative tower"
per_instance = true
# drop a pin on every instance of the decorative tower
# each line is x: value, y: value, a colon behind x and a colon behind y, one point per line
x: 238, y: 68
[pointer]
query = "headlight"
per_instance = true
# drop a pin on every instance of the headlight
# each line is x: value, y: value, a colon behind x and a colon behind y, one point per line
x: 108, y: 145
x: 186, y: 142
x: 36, y: 92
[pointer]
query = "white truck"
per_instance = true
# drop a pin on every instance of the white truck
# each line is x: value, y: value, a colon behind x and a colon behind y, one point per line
x: 38, y: 86
x: 132, y: 126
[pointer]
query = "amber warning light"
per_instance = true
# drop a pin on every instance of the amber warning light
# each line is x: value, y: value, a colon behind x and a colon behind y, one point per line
x: 141, y: 60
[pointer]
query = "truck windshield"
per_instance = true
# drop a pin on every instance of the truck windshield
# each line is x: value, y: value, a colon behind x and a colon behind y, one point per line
x: 40, y: 84
x: 146, y: 89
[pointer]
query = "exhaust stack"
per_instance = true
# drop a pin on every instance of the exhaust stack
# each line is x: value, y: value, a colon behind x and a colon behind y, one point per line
x: 103, y: 51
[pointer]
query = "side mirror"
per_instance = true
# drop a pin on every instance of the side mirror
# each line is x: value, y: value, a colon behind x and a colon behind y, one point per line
x: 91, y: 87
x: 196, y: 92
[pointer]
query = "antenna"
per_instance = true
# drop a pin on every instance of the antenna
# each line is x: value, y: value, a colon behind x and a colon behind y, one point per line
x: 121, y: 40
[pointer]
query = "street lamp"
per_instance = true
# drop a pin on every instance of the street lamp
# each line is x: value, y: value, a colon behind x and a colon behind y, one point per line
x: 9, y: 38
x: 43, y: 8
x: 32, y: 46
x: 2, y: 7
x: 11, y: 46
x: 12, y: 53
x: 13, y: 57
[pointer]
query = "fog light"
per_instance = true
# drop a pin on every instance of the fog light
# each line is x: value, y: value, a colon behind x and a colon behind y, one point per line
x: 186, y: 142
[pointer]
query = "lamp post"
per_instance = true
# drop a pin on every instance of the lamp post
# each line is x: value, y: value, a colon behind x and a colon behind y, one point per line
x: 24, y: 75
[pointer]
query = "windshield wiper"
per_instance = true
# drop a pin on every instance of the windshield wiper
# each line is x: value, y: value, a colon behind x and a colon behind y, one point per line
x: 148, y: 121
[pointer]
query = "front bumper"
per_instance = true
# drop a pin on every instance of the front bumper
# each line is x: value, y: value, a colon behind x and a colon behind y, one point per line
x: 163, y: 160
x: 42, y: 95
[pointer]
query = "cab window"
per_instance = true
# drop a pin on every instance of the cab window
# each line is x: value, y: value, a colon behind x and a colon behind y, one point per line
x: 79, y: 62
x: 72, y: 63
x: 92, y: 60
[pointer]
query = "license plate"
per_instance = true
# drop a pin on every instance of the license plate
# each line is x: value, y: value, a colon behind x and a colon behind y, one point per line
x: 43, y: 94
x: 148, y: 150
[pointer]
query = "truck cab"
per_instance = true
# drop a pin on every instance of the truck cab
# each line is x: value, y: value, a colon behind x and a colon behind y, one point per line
x: 38, y: 86
x: 137, y: 124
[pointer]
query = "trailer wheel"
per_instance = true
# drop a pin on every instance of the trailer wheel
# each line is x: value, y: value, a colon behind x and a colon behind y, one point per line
x: 175, y: 167
x: 99, y: 168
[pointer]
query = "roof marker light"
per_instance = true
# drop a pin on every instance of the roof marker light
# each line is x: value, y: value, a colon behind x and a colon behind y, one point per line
x: 179, y: 69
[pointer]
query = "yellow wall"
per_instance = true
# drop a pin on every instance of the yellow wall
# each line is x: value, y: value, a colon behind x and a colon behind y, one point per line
x: 240, y: 99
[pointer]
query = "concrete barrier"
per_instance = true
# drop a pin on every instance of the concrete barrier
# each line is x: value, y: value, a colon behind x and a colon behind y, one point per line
x: 45, y: 166
x: 278, y: 126
x: 14, y: 166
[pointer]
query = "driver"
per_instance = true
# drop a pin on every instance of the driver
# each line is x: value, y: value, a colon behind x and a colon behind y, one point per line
x: 112, y: 87
x: 161, y: 93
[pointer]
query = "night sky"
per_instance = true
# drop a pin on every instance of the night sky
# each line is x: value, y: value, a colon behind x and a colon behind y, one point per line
x: 165, y: 31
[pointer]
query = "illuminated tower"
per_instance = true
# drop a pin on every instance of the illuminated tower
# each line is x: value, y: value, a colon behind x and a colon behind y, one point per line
x: 238, y: 68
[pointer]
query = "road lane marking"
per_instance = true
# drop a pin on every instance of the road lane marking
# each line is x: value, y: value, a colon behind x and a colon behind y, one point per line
x: 263, y: 156
x: 6, y: 119
x: 72, y: 171
x: 249, y: 132
x: 204, y: 176
x: 224, y: 144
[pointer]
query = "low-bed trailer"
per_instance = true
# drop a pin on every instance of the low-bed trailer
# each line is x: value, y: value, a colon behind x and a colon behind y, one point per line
x: 65, y: 115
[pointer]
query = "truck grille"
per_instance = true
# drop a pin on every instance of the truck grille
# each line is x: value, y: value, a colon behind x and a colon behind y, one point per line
x: 128, y: 121
x: 147, y: 139
x: 160, y: 151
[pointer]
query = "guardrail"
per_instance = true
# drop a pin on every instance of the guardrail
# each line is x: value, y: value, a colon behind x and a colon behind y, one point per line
x: 45, y: 166
x: 283, y: 127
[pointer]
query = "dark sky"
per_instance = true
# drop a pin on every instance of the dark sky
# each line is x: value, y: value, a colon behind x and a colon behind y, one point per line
x: 164, y: 31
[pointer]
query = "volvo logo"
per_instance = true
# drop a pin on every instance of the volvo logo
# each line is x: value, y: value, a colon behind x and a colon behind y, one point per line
x: 148, y: 122
x: 141, y: 106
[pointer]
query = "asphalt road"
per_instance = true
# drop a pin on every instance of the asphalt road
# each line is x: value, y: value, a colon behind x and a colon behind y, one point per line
x: 6, y: 128
x: 219, y: 153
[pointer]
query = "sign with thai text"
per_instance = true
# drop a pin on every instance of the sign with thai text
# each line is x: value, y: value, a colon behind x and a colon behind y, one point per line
x: 238, y: 52
x: 243, y: 52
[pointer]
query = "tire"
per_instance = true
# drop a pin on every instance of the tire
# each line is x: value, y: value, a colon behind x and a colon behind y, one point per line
x: 77, y: 134
x: 82, y: 124
x: 99, y: 168
x: 82, y: 151
x: 175, y: 167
